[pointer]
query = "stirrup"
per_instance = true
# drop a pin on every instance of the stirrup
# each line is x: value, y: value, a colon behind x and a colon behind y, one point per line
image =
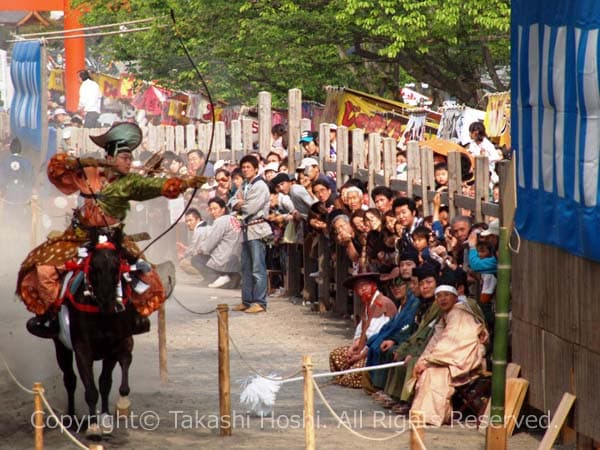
x: 44, y: 326
x: 140, y: 325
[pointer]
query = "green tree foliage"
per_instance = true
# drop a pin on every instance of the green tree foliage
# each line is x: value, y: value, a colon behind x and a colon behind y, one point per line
x: 245, y: 46
x: 450, y: 44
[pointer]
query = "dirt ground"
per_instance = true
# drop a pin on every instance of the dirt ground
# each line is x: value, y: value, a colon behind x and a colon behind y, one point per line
x: 182, y: 414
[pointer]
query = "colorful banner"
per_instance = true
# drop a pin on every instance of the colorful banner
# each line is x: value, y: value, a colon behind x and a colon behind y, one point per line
x: 497, y: 116
x: 376, y: 115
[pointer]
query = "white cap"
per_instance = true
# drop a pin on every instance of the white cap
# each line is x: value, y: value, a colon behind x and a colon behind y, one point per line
x: 58, y: 111
x: 307, y: 162
x: 220, y: 163
x: 332, y: 127
x: 446, y: 288
x: 493, y: 228
x: 272, y: 166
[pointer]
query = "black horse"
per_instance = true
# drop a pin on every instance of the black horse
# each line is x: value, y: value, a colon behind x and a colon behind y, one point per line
x: 100, y: 329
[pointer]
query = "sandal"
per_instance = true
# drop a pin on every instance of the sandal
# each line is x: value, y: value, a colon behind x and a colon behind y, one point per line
x: 389, y: 404
x: 401, y: 408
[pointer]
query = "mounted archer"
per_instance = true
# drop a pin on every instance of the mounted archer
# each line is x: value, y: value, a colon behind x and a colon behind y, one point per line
x: 105, y: 188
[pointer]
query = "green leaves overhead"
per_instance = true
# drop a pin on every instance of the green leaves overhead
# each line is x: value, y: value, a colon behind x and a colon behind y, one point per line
x: 245, y: 46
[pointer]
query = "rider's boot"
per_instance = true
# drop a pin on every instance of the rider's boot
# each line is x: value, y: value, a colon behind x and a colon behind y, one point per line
x: 44, y: 325
x: 141, y: 324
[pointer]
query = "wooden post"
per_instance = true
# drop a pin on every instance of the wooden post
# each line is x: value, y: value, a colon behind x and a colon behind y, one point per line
x: 236, y: 139
x: 38, y: 408
x: 247, y: 143
x: 374, y: 161
x: 323, y: 145
x: 225, y: 424
x: 264, y: 122
x: 482, y: 185
x: 309, y: 404
x: 170, y: 137
x: 294, y: 117
x: 341, y: 154
x: 219, y: 145
x: 413, y: 162
x: 496, y: 437
x: 162, y: 345
x: 190, y: 136
x: 179, y: 139
x: 427, y: 178
x: 454, y: 181
x: 324, y: 274
x: 417, y: 430
x: 358, y: 149
x: 389, y: 160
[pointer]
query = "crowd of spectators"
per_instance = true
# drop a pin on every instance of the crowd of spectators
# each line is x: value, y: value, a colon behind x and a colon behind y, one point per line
x: 427, y: 284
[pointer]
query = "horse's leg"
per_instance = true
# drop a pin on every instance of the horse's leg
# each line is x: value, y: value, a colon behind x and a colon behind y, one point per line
x: 105, y: 381
x: 85, y: 365
x: 64, y: 357
x: 125, y: 358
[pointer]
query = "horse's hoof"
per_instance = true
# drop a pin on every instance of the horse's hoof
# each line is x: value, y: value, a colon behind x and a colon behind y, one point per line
x: 123, y: 407
x: 93, y: 432
x: 106, y: 423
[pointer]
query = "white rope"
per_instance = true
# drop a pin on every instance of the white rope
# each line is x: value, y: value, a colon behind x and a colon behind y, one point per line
x: 346, y: 426
x: 77, y: 36
x: 41, y: 394
x: 515, y: 250
x: 345, y: 372
x: 62, y: 427
x: 29, y: 391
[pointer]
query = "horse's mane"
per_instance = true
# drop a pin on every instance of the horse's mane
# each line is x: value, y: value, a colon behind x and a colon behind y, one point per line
x: 104, y: 267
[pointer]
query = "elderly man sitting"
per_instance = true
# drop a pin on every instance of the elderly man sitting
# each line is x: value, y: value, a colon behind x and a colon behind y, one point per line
x: 377, y: 311
x: 454, y: 356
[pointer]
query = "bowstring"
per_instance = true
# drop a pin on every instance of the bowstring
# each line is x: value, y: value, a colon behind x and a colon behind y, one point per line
x: 212, y: 132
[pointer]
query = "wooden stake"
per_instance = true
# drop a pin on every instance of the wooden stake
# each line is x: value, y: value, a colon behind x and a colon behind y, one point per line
x: 557, y: 421
x: 39, y: 415
x: 309, y: 404
x: 417, y: 430
x: 162, y: 345
x: 224, y: 380
x: 496, y: 437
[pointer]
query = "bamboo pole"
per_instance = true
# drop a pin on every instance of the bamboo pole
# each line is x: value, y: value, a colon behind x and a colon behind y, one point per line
x: 496, y: 432
x: 39, y: 415
x: 417, y: 430
x: 496, y: 437
x: 224, y: 380
x: 309, y: 404
x: 162, y: 345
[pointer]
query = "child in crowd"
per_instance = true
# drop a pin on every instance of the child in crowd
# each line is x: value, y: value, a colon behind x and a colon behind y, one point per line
x: 440, y: 173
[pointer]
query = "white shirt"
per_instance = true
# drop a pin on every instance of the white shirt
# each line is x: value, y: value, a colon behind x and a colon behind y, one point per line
x: 89, y: 96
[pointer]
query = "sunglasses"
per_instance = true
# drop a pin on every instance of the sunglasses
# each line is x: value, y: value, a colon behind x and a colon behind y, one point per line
x: 222, y: 179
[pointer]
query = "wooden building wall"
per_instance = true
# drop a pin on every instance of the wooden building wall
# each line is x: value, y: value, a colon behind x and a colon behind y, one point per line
x: 556, y: 330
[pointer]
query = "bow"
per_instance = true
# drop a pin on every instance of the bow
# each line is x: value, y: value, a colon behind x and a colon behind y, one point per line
x: 212, y: 131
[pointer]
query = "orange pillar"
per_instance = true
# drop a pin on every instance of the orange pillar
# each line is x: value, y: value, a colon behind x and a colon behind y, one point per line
x: 74, y: 57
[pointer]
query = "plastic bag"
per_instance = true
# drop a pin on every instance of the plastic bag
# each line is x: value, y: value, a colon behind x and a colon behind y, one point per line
x: 289, y: 235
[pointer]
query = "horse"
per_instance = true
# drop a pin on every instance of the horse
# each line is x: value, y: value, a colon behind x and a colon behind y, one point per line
x: 100, y: 328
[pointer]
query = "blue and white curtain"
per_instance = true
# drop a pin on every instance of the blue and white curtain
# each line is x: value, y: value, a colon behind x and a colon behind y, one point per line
x: 556, y: 122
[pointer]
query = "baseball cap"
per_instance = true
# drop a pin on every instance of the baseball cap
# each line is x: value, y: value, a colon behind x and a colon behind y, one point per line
x: 58, y: 111
x: 306, y: 137
x: 307, y: 162
x: 280, y: 178
x: 272, y: 166
x: 493, y: 228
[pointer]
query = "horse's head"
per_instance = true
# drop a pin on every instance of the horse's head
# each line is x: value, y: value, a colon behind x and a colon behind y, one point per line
x: 104, y: 267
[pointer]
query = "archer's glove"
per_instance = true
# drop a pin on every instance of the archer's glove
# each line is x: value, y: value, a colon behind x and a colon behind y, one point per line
x: 195, y: 182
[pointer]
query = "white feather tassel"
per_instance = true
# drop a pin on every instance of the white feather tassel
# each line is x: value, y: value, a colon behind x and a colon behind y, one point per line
x: 259, y: 393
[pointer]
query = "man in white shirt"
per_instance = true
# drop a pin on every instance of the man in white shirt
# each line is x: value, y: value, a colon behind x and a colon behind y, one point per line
x: 89, y: 100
